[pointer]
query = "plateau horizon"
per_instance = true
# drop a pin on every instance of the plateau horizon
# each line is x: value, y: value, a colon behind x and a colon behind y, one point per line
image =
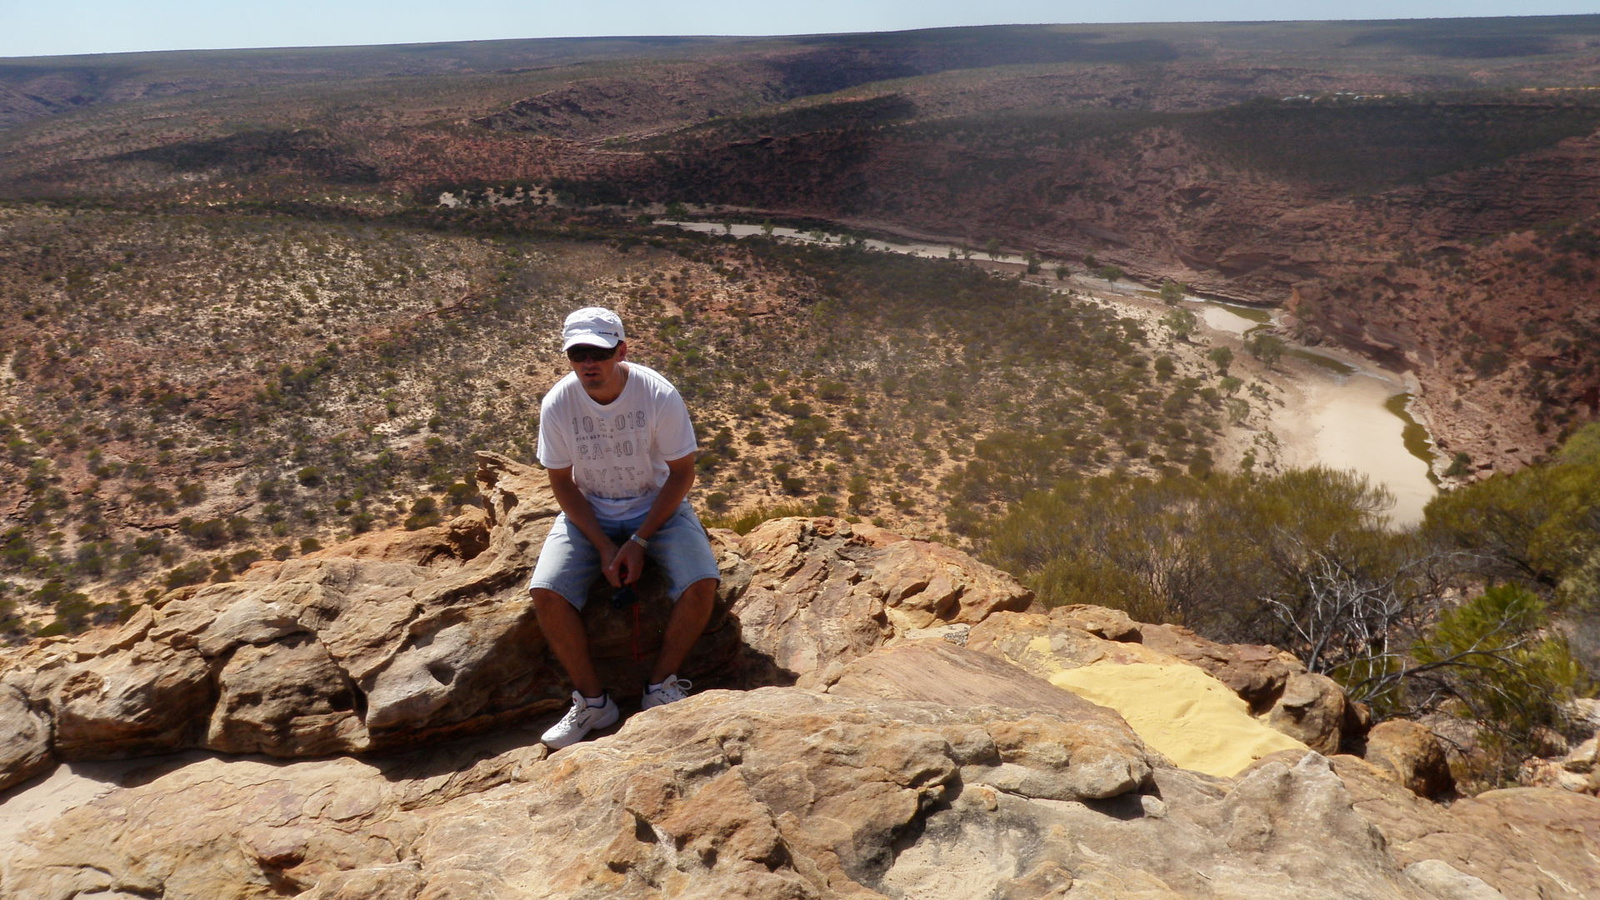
x: 80, y: 27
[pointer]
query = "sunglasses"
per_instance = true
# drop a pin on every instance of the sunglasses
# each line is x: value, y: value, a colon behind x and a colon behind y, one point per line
x: 585, y: 353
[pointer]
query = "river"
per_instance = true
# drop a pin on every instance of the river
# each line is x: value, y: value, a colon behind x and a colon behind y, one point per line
x: 1344, y: 414
x: 1340, y: 410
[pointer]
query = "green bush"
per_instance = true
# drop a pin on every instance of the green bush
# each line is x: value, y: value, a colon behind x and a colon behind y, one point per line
x: 1495, y: 654
x: 189, y: 573
x: 1537, y: 527
x: 1215, y: 554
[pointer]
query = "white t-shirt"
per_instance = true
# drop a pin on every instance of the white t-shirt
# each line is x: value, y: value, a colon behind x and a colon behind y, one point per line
x: 618, y: 452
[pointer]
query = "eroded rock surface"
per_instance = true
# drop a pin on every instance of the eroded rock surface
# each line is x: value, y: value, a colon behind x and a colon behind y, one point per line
x: 906, y: 724
x: 1214, y: 707
x: 395, y: 640
x: 819, y: 593
x: 791, y: 793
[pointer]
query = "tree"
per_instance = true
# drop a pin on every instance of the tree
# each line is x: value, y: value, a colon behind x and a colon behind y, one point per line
x: 1222, y: 357
x: 1219, y: 554
x: 1495, y: 657
x: 1111, y: 273
x: 992, y: 247
x: 1354, y: 623
x: 1173, y: 291
x: 1181, y: 322
x: 1265, y: 347
x: 1539, y: 527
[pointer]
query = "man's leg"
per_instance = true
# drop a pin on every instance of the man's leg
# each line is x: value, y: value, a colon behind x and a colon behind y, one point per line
x: 687, y: 622
x: 563, y: 630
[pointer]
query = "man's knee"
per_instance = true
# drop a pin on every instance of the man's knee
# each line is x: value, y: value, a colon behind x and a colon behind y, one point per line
x: 546, y: 601
x: 702, y: 591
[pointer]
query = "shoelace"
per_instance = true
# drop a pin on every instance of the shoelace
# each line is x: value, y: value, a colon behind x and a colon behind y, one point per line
x: 677, y: 688
x: 579, y: 707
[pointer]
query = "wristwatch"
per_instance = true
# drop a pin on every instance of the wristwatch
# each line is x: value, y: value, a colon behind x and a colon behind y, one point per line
x: 643, y: 544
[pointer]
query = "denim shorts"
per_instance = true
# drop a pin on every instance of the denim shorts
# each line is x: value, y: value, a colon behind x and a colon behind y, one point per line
x: 569, y: 564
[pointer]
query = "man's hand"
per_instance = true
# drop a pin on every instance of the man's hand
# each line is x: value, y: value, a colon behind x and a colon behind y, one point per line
x: 625, y: 564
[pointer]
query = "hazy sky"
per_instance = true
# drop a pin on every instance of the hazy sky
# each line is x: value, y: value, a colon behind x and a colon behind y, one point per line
x: 53, y: 27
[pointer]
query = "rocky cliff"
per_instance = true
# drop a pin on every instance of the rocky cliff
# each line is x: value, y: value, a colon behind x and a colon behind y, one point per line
x: 874, y: 717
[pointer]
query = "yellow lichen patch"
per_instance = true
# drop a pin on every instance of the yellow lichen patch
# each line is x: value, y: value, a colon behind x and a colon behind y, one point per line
x: 1180, y: 712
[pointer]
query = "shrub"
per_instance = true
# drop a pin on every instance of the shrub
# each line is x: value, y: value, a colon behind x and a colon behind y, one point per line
x: 746, y: 522
x: 1265, y: 347
x: 189, y: 573
x: 1493, y: 654
x: 1222, y: 357
x: 1535, y: 527
x: 208, y: 534
x: 1215, y: 554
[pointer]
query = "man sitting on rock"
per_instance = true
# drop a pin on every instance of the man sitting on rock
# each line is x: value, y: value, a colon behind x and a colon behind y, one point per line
x: 616, y: 439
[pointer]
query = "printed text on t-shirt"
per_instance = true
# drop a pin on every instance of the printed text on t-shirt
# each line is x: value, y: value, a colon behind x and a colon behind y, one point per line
x: 618, y: 440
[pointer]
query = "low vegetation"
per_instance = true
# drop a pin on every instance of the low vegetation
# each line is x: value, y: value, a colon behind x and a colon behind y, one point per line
x: 1490, y: 610
x: 191, y: 392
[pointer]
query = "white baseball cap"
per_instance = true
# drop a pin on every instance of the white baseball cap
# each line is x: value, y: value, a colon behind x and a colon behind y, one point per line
x: 594, y: 326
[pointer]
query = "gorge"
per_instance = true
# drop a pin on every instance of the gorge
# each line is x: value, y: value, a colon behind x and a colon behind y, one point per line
x: 275, y: 327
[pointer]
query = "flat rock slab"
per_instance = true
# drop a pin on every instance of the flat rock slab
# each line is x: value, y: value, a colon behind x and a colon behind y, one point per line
x: 786, y: 793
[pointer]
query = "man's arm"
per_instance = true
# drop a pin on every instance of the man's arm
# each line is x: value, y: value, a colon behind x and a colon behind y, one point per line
x: 580, y: 513
x: 626, y: 564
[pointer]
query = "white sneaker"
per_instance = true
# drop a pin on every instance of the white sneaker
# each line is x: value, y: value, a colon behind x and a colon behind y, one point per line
x: 671, y: 690
x: 579, y: 721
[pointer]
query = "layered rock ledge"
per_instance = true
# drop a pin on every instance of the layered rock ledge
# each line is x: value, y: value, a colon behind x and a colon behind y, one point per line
x: 874, y: 717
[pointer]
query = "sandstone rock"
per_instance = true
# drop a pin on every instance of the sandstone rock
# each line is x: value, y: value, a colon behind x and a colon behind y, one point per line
x: 1044, y: 643
x: 1168, y: 687
x: 1582, y: 766
x: 1578, y: 768
x: 925, y: 769
x: 1500, y: 837
x: 1413, y: 754
x: 387, y: 641
x: 1111, y: 624
x: 151, y: 699
x: 394, y: 640
x: 441, y: 546
x: 24, y: 738
x: 820, y: 594
x: 1311, y: 709
x: 784, y: 792
x: 1300, y: 811
x: 285, y: 699
x: 727, y: 794
x: 1256, y: 673
x: 1441, y: 879
x: 1100, y: 755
